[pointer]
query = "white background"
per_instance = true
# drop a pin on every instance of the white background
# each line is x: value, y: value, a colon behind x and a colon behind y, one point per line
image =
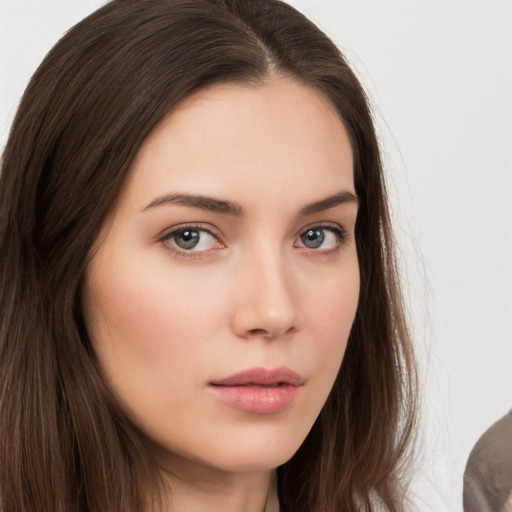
x: 439, y: 73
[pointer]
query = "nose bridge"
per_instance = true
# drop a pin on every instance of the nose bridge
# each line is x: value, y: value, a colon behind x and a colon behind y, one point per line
x: 266, y: 303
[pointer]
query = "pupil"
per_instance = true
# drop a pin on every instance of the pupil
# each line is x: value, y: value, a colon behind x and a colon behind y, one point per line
x: 187, y: 239
x: 314, y: 238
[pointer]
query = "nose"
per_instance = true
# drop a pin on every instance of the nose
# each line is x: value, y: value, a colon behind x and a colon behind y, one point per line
x: 265, y: 305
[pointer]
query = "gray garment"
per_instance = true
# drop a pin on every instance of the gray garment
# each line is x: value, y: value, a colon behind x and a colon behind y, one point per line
x: 488, y: 474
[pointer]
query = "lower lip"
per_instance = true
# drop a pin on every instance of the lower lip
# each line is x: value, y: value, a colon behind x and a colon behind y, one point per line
x: 256, y: 399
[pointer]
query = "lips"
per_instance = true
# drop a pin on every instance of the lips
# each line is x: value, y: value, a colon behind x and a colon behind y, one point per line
x: 259, y: 390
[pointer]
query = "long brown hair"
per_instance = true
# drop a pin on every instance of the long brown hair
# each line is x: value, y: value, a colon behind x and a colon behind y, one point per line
x: 64, y: 442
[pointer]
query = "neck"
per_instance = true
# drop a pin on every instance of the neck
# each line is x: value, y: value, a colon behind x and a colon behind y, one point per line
x: 196, y: 488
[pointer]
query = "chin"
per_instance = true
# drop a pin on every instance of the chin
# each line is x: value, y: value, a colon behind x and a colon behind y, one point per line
x: 233, y: 451
x: 258, y: 451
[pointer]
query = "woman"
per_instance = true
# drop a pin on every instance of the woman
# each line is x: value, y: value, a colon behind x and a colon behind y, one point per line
x: 198, y: 282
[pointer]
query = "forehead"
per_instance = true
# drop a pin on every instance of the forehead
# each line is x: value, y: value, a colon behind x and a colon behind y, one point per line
x: 246, y: 141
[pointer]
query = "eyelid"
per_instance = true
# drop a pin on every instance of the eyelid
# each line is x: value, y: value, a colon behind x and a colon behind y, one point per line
x: 333, y: 226
x: 197, y: 226
x: 341, y: 234
x: 339, y: 231
x: 169, y: 232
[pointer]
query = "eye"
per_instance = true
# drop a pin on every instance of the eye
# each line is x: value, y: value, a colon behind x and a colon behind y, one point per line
x: 190, y: 239
x: 324, y: 238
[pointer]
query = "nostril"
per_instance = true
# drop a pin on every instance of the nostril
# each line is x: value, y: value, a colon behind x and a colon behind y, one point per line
x: 269, y: 333
x: 268, y: 315
x: 260, y: 332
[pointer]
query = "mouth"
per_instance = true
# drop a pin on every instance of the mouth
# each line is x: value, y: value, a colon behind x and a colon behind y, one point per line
x: 259, y: 390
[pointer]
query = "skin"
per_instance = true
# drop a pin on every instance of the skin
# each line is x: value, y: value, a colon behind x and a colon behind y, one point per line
x: 166, y: 321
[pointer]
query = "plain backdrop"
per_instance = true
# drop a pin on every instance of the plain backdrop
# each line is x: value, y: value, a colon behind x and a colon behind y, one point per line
x: 439, y: 74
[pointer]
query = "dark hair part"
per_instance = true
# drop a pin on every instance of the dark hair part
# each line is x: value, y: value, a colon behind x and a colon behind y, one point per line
x: 64, y: 443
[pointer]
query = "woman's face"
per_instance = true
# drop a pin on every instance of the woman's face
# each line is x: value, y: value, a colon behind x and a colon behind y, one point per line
x: 222, y: 290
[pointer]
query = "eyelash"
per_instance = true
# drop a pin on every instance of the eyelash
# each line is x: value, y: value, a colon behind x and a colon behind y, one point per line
x: 181, y: 253
x: 165, y: 238
x: 339, y: 232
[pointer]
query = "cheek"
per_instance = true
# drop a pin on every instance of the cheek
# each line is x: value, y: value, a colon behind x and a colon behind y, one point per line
x: 146, y: 328
x: 332, y: 306
x: 327, y: 299
x: 331, y: 313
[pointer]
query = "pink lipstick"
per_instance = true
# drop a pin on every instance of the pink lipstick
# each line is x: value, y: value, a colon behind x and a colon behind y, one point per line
x: 259, y: 390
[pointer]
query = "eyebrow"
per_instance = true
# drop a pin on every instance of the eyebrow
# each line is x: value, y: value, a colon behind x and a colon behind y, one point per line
x: 200, y: 202
x: 329, y: 202
x: 211, y: 204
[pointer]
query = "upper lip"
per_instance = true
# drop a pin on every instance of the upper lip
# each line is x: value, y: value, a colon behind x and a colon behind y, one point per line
x: 262, y: 377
